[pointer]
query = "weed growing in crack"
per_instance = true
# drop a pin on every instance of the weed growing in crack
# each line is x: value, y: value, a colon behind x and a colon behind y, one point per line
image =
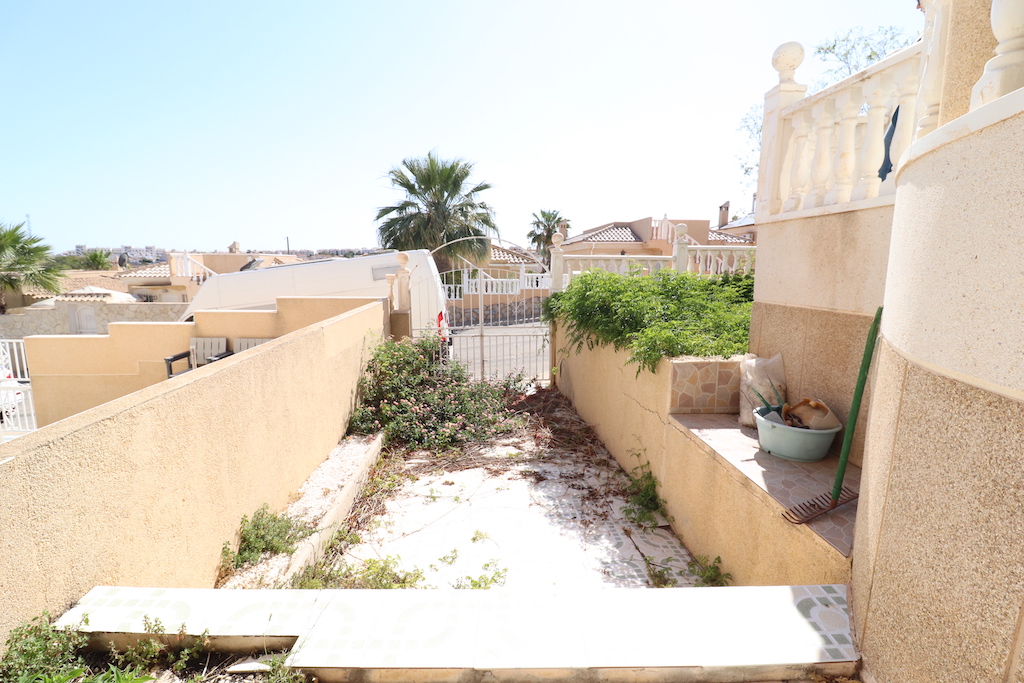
x: 380, y: 573
x: 173, y: 651
x: 266, y: 532
x: 708, y: 572
x: 661, y: 576
x: 643, y: 503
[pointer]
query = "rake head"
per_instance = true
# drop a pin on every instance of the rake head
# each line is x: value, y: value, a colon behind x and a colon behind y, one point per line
x: 815, y: 507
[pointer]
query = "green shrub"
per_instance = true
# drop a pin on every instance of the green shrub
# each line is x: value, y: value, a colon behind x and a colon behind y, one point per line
x: 417, y: 398
x: 665, y: 314
x: 39, y: 649
x: 265, y: 532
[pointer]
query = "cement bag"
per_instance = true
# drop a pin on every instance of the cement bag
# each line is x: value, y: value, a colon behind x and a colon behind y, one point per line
x: 755, y: 373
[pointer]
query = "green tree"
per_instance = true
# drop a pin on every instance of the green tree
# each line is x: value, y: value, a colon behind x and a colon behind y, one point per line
x: 440, y: 205
x: 854, y: 50
x: 96, y: 260
x: 25, y: 261
x: 543, y: 229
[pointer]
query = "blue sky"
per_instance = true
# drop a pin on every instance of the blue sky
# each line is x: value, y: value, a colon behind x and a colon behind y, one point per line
x: 190, y: 125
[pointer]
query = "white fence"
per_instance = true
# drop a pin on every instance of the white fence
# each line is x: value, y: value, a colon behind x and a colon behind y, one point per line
x: 495, y: 285
x: 17, y: 410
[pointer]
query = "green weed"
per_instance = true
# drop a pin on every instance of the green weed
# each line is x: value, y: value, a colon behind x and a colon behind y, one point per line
x: 643, y: 503
x: 708, y: 573
x: 266, y: 532
x: 37, y: 649
x: 493, y: 576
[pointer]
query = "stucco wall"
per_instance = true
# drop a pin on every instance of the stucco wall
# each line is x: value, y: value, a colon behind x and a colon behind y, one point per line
x: 938, y: 583
x: 822, y: 351
x: 836, y: 261
x: 716, y: 509
x: 145, y: 489
x: 74, y: 373
x: 955, y: 290
x: 57, y: 320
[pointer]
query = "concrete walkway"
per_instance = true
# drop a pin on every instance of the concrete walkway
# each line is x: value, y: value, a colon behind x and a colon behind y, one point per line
x: 713, y: 635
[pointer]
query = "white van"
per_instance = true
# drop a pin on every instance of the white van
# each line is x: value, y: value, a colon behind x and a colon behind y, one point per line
x: 363, y: 276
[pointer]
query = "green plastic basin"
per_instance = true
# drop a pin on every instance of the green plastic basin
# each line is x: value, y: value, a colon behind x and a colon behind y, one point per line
x: 791, y: 443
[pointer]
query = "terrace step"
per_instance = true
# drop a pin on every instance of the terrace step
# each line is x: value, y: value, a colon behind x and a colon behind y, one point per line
x: 722, y: 635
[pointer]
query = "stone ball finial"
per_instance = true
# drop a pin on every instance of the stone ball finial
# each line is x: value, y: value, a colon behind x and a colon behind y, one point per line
x: 403, y: 259
x: 786, y: 59
x: 557, y: 239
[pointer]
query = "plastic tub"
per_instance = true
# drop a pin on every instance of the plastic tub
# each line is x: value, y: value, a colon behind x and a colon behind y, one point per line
x: 791, y: 443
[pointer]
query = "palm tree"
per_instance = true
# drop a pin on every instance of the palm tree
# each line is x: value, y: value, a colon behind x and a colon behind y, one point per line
x: 96, y: 260
x: 25, y: 261
x: 544, y: 228
x: 437, y: 209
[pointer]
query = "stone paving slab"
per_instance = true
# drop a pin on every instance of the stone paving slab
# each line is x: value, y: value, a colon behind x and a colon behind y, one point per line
x: 699, y: 634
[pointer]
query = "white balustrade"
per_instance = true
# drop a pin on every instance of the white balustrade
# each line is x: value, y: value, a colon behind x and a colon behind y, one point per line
x: 701, y: 259
x: 1004, y: 73
x: 186, y: 266
x: 831, y: 145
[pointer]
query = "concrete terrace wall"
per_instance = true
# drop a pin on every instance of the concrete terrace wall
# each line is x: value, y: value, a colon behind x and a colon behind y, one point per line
x: 145, y: 489
x: 716, y: 509
x: 25, y: 322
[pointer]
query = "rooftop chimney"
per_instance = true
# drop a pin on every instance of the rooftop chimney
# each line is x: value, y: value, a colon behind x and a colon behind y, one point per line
x: 723, y: 214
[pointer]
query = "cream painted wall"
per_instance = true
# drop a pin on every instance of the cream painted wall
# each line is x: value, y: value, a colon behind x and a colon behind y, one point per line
x: 953, y: 297
x: 144, y: 489
x: 716, y: 509
x: 938, y: 582
x: 71, y: 374
x: 835, y: 261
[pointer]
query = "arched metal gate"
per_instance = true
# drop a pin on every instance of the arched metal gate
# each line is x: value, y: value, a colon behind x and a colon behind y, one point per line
x: 494, y: 316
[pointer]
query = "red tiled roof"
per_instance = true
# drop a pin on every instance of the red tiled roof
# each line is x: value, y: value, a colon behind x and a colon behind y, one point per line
x: 716, y: 236
x: 503, y: 255
x: 162, y: 270
x: 77, y: 279
x: 613, y: 233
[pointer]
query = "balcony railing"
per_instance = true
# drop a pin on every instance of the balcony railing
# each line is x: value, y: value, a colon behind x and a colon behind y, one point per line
x: 186, y: 266
x: 829, y: 148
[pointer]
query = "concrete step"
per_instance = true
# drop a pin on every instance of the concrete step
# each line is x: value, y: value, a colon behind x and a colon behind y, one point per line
x: 707, y: 635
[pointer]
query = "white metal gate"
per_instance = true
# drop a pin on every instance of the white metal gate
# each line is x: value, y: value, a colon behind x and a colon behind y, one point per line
x: 17, y: 411
x: 494, y: 319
